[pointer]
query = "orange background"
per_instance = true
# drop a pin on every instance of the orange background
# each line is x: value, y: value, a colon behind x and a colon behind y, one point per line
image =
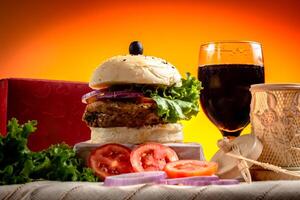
x: 67, y: 39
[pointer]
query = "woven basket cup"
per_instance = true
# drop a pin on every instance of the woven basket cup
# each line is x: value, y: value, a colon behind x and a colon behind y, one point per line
x: 275, y: 120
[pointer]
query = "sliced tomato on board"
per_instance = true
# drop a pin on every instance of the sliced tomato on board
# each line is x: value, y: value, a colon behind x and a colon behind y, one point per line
x: 151, y: 157
x: 110, y: 159
x: 187, y: 168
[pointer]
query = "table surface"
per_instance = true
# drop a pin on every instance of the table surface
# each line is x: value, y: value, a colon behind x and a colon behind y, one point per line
x: 83, y: 190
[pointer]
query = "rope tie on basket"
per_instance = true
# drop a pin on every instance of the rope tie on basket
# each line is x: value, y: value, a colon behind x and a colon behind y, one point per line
x: 233, y: 151
x: 242, y: 165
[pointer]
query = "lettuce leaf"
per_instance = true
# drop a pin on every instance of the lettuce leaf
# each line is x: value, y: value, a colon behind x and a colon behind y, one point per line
x: 177, y: 102
x: 20, y: 165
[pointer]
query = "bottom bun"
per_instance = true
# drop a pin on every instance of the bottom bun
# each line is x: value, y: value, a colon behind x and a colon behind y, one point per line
x: 162, y: 133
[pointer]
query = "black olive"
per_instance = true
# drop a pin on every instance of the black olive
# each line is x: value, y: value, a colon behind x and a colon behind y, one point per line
x: 136, y: 48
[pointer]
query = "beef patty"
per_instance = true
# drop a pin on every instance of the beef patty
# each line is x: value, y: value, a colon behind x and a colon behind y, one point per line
x: 120, y: 114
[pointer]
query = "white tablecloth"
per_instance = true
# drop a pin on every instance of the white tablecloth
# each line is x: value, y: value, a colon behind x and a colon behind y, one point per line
x: 82, y: 190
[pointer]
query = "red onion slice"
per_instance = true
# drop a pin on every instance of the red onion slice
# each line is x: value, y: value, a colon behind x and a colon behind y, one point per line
x: 198, y: 183
x: 186, y: 180
x: 135, y: 178
x: 91, y: 94
x: 207, y: 182
x: 119, y: 95
x: 225, y: 182
x: 103, y: 94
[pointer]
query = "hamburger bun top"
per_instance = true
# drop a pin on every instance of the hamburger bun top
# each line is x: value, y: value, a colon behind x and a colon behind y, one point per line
x: 137, y: 69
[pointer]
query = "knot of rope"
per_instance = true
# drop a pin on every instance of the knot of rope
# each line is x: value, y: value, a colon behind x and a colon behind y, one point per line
x: 228, y: 147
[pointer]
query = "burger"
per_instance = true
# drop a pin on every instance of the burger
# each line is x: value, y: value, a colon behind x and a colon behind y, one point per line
x: 139, y: 99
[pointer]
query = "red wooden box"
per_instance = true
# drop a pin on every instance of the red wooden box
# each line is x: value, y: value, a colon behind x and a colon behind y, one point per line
x: 56, y: 105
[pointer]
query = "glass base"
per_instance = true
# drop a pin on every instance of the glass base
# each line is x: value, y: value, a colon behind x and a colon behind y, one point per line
x: 231, y: 134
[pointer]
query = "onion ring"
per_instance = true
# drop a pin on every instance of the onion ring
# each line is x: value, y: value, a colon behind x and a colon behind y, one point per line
x: 103, y: 94
x: 135, y: 178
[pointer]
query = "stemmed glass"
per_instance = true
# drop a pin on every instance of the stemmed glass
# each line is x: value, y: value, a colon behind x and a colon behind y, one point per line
x: 227, y: 70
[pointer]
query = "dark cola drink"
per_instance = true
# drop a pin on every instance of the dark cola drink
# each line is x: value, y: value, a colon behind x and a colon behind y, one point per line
x: 226, y: 98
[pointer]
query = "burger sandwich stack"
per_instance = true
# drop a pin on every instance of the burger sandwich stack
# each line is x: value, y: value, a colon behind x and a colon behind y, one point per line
x: 134, y: 115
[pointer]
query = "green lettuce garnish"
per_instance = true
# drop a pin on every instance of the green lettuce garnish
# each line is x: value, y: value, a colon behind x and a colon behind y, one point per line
x: 177, y: 102
x: 20, y: 165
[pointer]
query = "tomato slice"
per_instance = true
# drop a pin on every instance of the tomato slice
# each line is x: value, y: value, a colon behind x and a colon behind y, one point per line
x: 151, y: 157
x: 187, y: 168
x: 110, y: 159
x: 146, y: 100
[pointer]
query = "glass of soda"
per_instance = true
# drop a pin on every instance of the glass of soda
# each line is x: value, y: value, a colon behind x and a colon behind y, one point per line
x: 227, y: 70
